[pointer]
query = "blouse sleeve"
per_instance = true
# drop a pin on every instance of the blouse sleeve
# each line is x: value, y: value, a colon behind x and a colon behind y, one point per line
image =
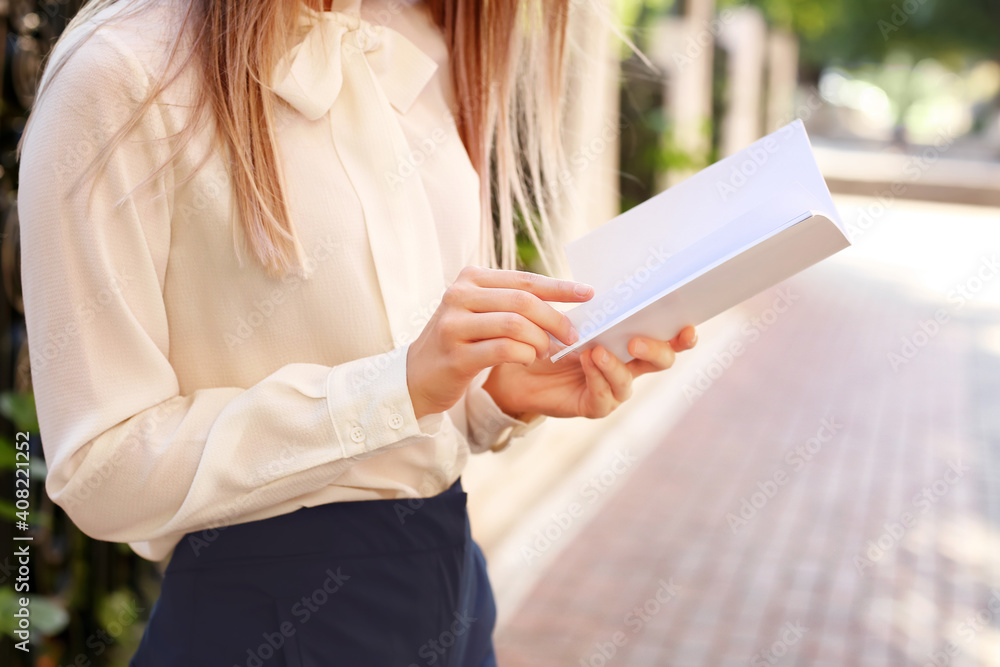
x: 490, y: 428
x: 130, y: 458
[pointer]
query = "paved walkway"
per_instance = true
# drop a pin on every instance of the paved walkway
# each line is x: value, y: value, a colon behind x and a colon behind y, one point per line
x: 831, y: 498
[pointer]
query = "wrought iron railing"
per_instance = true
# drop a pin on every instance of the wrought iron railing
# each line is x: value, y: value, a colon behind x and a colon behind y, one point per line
x: 88, y: 599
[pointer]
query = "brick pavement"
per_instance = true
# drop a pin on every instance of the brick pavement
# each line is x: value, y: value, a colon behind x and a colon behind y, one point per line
x: 795, y: 579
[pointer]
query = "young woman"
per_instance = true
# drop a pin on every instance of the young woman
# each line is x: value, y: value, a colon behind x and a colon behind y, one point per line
x: 290, y: 430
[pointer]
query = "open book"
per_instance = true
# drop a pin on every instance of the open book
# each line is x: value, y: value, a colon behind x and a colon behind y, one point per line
x: 714, y: 240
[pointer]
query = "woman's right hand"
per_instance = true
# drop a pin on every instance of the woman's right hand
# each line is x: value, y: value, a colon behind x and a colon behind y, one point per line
x: 486, y: 317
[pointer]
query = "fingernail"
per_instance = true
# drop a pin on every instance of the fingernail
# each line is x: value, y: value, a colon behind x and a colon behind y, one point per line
x: 574, y: 335
x: 640, y: 347
x: 583, y: 289
x: 602, y: 356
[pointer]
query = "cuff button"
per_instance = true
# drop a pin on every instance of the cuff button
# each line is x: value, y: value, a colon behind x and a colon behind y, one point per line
x: 396, y: 421
x: 357, y: 434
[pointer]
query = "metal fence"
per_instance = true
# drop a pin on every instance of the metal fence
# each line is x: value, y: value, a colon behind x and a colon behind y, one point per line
x: 87, y: 599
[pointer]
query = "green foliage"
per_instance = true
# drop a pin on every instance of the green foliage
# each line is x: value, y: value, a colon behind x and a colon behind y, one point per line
x: 527, y: 254
x: 19, y: 408
x: 631, y: 12
x: 668, y: 155
x: 853, y: 31
x: 79, y: 586
x: 48, y: 615
x: 6, y: 453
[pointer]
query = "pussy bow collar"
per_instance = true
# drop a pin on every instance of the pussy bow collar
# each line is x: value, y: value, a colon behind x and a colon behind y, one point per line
x: 363, y: 75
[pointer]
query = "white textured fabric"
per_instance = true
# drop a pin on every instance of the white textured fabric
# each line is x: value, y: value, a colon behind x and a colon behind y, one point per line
x: 179, y: 390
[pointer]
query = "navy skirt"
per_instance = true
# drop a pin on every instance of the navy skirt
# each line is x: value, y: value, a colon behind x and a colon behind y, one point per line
x: 375, y: 583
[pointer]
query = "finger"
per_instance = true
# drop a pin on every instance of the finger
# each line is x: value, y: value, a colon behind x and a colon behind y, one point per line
x: 618, y: 375
x: 685, y: 339
x: 659, y: 354
x: 492, y: 351
x: 639, y: 367
x: 601, y: 397
x: 488, y: 300
x: 481, y: 326
x: 544, y: 287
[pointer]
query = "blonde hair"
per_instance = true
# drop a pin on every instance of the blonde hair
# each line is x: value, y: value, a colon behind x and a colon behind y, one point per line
x: 507, y: 63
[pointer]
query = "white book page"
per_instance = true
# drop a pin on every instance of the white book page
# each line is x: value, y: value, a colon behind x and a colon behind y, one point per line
x: 698, y: 206
x: 739, y: 277
x: 703, y: 225
x: 661, y: 273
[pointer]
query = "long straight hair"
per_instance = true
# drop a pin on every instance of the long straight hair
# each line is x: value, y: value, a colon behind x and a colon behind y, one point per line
x: 507, y: 64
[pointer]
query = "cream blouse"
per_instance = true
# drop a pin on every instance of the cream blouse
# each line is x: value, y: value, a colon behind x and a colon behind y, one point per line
x: 179, y: 387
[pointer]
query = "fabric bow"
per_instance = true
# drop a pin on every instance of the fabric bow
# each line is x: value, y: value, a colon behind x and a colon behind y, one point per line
x: 364, y: 75
x: 310, y: 76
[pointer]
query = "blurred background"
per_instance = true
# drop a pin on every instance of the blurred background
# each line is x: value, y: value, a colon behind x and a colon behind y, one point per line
x: 816, y: 483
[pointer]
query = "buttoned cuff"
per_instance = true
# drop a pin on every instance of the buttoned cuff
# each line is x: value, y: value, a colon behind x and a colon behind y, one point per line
x: 490, y: 428
x: 370, y: 404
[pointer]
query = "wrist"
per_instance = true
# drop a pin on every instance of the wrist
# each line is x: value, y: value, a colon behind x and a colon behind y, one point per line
x: 420, y: 409
x: 507, y: 404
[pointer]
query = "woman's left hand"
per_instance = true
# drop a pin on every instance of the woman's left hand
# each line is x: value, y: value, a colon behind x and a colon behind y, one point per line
x: 588, y: 384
